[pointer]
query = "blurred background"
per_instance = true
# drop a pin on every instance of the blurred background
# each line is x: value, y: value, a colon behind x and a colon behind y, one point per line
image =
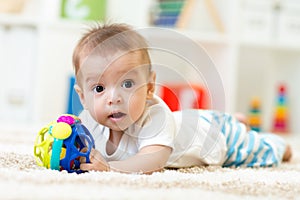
x: 253, y: 44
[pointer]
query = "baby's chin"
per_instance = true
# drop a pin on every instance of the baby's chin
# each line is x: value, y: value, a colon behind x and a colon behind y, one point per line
x: 119, y: 127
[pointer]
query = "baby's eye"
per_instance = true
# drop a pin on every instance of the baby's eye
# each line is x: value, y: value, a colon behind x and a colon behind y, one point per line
x: 127, y: 84
x: 98, y: 89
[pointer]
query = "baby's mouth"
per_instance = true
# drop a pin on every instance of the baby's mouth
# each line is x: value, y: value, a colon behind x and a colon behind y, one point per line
x: 117, y: 115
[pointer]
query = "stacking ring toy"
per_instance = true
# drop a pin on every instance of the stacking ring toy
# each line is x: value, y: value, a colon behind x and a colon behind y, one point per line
x: 60, y: 144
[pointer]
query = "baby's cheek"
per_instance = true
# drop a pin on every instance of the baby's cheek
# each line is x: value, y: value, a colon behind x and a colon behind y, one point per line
x: 136, y: 106
x: 97, y: 110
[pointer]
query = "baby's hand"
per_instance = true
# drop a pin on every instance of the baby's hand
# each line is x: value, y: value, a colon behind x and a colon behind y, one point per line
x: 97, y: 162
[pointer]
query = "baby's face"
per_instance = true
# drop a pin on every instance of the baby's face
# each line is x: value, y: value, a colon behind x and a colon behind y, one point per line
x: 115, y: 90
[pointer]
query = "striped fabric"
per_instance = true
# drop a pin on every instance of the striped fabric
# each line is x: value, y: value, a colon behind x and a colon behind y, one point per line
x: 247, y: 148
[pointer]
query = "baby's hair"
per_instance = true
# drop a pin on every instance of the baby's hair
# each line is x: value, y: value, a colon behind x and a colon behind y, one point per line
x: 109, y: 38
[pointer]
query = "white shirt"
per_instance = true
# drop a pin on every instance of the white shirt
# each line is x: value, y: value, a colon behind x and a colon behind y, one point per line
x: 155, y: 127
x: 183, y: 131
x: 196, y: 143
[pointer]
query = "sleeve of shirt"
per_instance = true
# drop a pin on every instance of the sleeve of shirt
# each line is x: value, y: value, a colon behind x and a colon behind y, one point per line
x: 158, y: 127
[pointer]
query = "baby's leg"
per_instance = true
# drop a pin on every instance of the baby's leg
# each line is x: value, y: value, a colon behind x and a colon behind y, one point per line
x: 243, y: 119
x: 281, y: 145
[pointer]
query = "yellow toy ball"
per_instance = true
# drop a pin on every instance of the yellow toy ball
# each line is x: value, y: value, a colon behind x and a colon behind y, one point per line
x: 61, y: 130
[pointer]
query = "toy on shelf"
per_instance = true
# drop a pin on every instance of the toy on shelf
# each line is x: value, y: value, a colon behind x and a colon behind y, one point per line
x: 60, y: 144
x: 254, y: 118
x: 280, y: 120
x: 183, y: 96
x: 166, y: 13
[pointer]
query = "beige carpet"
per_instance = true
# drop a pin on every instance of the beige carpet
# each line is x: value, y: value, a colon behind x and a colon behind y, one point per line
x: 20, y: 178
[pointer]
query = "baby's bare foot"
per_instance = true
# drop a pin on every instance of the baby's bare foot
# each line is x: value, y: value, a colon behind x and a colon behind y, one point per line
x: 287, y: 154
x: 243, y: 119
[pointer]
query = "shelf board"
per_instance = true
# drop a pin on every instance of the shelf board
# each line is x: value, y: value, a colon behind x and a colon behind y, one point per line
x: 33, y: 21
x: 18, y: 20
x: 206, y: 37
x: 197, y: 36
x: 271, y: 44
x: 68, y: 24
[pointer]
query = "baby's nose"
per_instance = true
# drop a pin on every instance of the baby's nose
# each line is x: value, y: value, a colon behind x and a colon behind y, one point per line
x: 114, y: 97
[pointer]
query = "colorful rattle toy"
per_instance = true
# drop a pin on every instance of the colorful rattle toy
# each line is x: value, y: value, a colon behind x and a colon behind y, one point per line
x: 60, y: 144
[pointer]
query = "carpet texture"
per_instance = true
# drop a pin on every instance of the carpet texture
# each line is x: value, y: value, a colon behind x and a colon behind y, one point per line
x: 21, y: 178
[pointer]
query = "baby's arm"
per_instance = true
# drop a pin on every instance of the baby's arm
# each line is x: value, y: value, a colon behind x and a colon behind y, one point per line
x: 149, y: 159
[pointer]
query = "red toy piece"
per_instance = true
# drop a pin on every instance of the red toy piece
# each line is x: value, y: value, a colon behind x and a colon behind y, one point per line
x: 180, y: 96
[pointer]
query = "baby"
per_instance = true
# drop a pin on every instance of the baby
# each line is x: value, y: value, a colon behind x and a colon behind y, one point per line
x: 135, y: 131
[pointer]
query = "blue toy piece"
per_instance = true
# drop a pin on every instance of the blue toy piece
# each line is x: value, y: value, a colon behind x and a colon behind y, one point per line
x: 74, y: 105
x: 60, y: 144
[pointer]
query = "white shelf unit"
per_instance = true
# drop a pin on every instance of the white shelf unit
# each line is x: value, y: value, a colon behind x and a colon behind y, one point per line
x: 247, y: 66
x: 254, y: 64
x: 260, y: 70
x: 35, y: 88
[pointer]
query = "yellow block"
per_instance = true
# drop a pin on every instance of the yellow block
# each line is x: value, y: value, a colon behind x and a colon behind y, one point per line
x: 254, y: 121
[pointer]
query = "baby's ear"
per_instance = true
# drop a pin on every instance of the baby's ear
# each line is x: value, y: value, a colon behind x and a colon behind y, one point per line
x: 80, y: 94
x: 151, y: 85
